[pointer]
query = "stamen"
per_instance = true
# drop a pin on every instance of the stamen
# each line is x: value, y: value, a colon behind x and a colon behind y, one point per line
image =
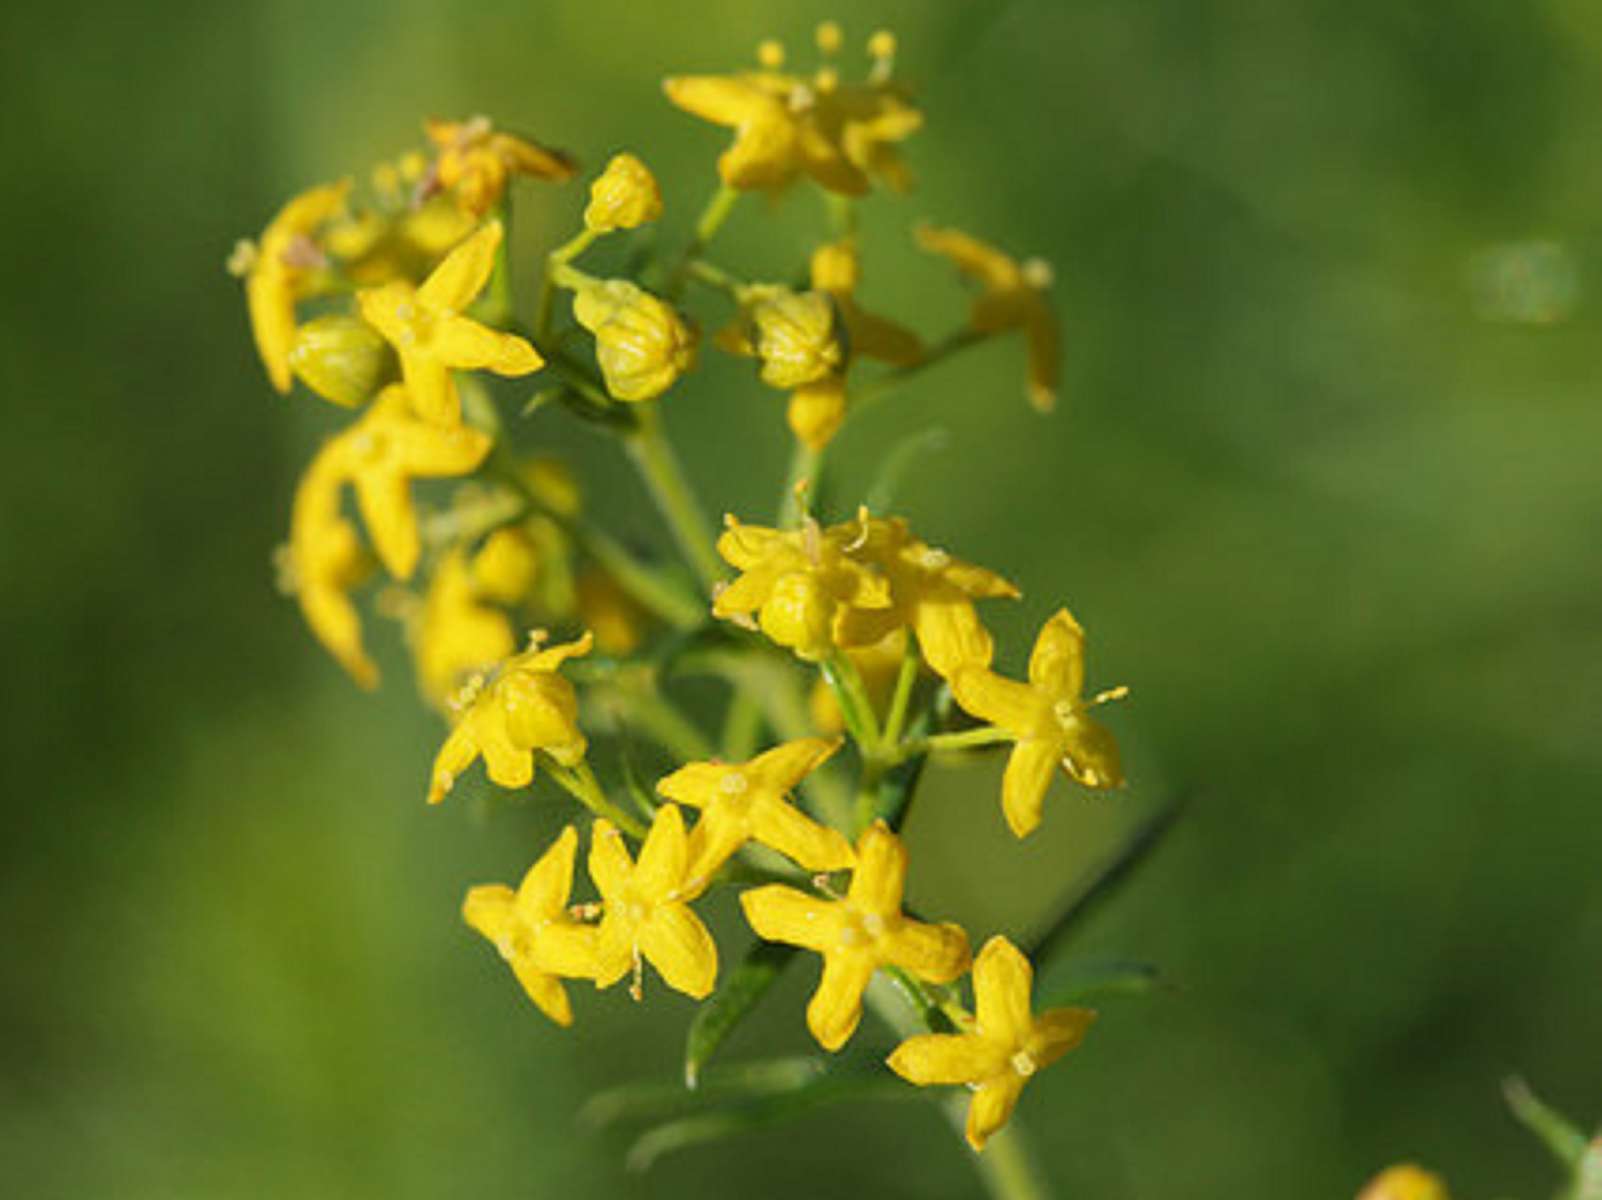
x: 829, y: 37
x: 1038, y: 274
x: 637, y: 983
x: 1024, y: 1064
x: 770, y: 54
x: 1117, y: 693
x: 242, y: 258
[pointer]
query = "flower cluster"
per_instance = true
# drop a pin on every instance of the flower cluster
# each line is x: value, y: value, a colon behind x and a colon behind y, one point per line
x: 395, y: 302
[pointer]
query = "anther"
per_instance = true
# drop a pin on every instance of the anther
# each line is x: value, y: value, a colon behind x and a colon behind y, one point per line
x: 1023, y: 1064
x: 829, y: 37
x: 771, y: 54
x: 1038, y: 273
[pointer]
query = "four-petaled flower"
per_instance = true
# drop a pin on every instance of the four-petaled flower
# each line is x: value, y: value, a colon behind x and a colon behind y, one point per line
x: 933, y: 593
x: 858, y: 934
x: 801, y: 583
x: 476, y: 160
x: 742, y: 802
x: 431, y: 336
x: 278, y: 270
x: 528, y: 707
x: 1007, y: 1046
x: 646, y: 911
x: 1012, y: 295
x: 456, y: 634
x: 383, y: 452
x: 531, y: 928
x: 1048, y: 720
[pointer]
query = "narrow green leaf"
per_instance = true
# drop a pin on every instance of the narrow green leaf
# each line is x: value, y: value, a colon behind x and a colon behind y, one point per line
x: 654, y: 1101
x: 1555, y: 1130
x: 838, y: 1083
x: 1104, y: 880
x: 739, y: 993
x: 1082, y: 981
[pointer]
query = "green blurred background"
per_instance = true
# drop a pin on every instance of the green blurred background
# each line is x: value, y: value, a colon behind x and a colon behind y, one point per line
x: 1323, y: 489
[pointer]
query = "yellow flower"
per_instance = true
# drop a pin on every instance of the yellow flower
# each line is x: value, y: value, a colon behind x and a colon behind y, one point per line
x: 933, y: 594
x: 743, y: 802
x: 857, y: 935
x: 426, y: 327
x: 278, y: 270
x: 646, y: 914
x: 801, y: 584
x: 641, y: 342
x: 1007, y: 1046
x: 624, y: 196
x: 786, y: 125
x: 817, y: 409
x: 457, y: 635
x: 383, y: 452
x: 324, y: 561
x: 531, y: 929
x: 506, y: 565
x: 608, y: 611
x: 373, y: 248
x: 528, y: 707
x: 1012, y: 295
x: 342, y: 359
x: 1047, y: 719
x: 475, y: 160
x: 791, y: 334
x: 1406, y: 1181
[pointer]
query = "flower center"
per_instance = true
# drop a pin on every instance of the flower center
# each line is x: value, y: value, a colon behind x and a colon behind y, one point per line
x: 733, y: 784
x: 1023, y: 1063
x: 934, y: 559
x: 1066, y: 712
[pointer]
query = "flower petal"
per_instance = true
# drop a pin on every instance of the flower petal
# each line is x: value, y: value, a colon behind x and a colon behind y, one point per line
x: 950, y: 633
x: 990, y: 697
x: 1091, y: 754
x: 545, y: 990
x: 946, y: 1058
x: 1023, y: 787
x: 467, y: 345
x: 490, y: 909
x: 385, y: 498
x: 429, y: 384
x: 782, y: 827
x: 783, y: 914
x: 695, y: 784
x: 609, y: 864
x: 675, y: 942
x: 663, y: 857
x: 543, y: 893
x: 779, y: 770
x: 567, y: 949
x: 1040, y: 329
x: 1057, y: 663
x: 463, y: 272
x: 1057, y: 1031
x: 992, y: 1104
x: 937, y: 953
x: 717, y: 835
x: 614, y: 947
x: 880, y: 879
x: 836, y: 1007
x: 1002, y: 982
x: 457, y: 753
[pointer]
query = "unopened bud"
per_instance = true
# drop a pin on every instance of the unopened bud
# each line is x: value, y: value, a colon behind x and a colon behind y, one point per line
x: 342, y: 359
x: 641, y: 343
x: 506, y: 566
x: 1405, y: 1182
x: 795, y: 337
x: 817, y: 411
x: 623, y: 196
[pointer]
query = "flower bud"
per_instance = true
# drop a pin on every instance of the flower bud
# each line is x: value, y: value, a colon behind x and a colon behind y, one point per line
x: 795, y: 337
x: 817, y: 410
x: 606, y: 611
x: 640, y: 341
x: 799, y: 614
x: 342, y: 359
x: 1404, y: 1182
x: 623, y: 196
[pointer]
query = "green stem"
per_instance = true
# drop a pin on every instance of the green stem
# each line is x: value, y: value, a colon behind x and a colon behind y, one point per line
x: 581, y: 784
x: 665, y: 724
x: 895, y: 721
x: 499, y: 299
x: 555, y: 261
x: 1006, y: 1167
x: 714, y: 276
x: 712, y: 217
x: 659, y: 466
x: 871, y: 393
x: 855, y: 705
x: 742, y: 726
x: 985, y: 735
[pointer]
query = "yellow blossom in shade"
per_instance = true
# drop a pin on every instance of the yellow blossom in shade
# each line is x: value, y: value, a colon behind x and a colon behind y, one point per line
x: 506, y: 566
x: 531, y: 929
x: 324, y: 561
x: 383, y: 452
x: 456, y: 635
x: 646, y: 915
x: 801, y: 584
x: 858, y: 934
x: 877, y: 666
x: 1012, y: 295
x: 791, y: 334
x: 743, y: 802
x: 933, y: 594
x: 476, y: 160
x: 641, y: 342
x: 1048, y: 720
x: 278, y: 270
x: 528, y: 707
x: 373, y: 248
x: 428, y: 331
x: 1007, y: 1046
x: 342, y: 359
x: 608, y: 612
x: 1405, y: 1181
x: 624, y: 196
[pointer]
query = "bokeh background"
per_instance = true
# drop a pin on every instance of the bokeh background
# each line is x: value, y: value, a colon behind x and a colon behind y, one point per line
x: 1324, y: 489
